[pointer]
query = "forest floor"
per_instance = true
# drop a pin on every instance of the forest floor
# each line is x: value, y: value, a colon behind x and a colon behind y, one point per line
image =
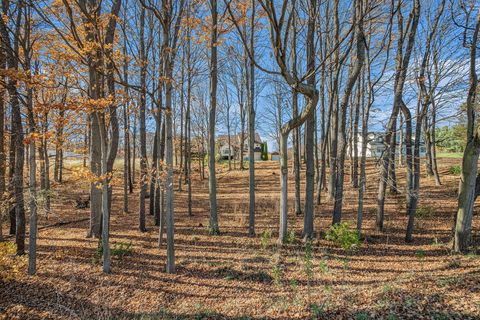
x: 232, y: 276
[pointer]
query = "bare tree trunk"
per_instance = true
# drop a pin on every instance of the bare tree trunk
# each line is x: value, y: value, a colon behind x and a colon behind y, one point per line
x: 310, y: 127
x: 182, y: 107
x: 333, y: 101
x: 170, y: 268
x: 59, y: 148
x: 3, y: 158
x: 430, y: 144
x: 127, y: 179
x: 134, y: 149
x: 18, y: 150
x: 433, y: 146
x: 413, y: 178
x: 126, y: 160
x: 296, y: 131
x: 355, y: 137
x: 296, y: 156
x: 283, y: 188
x: 212, y: 181
x: 466, y: 193
x: 105, y: 197
x: 401, y: 68
x: 363, y: 156
x: 188, y: 142
x: 352, y: 79
x: 400, y: 141
x: 11, y: 172
x: 142, y: 120
x: 95, y: 167
x: 251, y: 130
x: 154, y: 169
x: 32, y: 172
x: 392, y: 175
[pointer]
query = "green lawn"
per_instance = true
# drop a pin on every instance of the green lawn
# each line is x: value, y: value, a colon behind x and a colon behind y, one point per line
x: 449, y: 154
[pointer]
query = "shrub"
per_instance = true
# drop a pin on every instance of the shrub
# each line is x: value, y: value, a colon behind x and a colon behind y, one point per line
x: 290, y: 237
x: 229, y: 273
x: 323, y: 266
x: 316, y: 310
x: 343, y: 236
x: 420, y: 254
x: 454, y: 264
x: 425, y: 212
x: 119, y: 249
x: 266, y: 239
x: 362, y: 316
x: 455, y: 170
x: 10, y: 264
x: 277, y: 269
x: 308, y: 260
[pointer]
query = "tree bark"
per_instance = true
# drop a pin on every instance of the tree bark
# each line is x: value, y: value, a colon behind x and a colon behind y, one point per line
x: 212, y: 181
x: 466, y: 193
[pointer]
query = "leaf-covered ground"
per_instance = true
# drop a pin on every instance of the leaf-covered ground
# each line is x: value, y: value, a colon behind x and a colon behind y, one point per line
x: 232, y: 276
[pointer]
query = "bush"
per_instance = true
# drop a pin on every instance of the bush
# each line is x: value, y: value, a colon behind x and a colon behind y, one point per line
x: 343, y: 236
x: 317, y: 310
x: 229, y: 273
x: 425, y: 212
x: 455, y: 170
x: 119, y: 249
x: 290, y: 237
x: 266, y: 239
x: 10, y: 264
x: 362, y: 316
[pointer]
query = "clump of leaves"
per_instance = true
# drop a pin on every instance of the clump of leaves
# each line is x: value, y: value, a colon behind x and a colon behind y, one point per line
x: 228, y: 273
x: 425, y: 212
x: 119, y: 249
x: 317, y: 310
x: 308, y: 265
x: 10, y: 264
x: 454, y: 264
x: 277, y: 270
x: 293, y: 284
x: 455, y: 170
x: 323, y: 266
x: 290, y: 237
x: 195, y: 239
x: 308, y: 260
x: 343, y: 236
x: 420, y: 254
x: 362, y: 316
x: 266, y: 239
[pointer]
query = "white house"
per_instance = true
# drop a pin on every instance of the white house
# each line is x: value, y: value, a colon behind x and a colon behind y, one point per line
x: 376, y: 145
x: 224, y: 151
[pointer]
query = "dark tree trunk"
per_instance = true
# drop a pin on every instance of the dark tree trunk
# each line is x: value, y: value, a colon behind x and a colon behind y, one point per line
x: 143, y: 133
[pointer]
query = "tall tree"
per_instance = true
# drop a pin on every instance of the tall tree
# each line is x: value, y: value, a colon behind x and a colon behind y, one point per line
x: 405, y: 40
x: 212, y: 180
x: 142, y: 120
x: 469, y: 180
x: 11, y: 51
x: 350, y: 83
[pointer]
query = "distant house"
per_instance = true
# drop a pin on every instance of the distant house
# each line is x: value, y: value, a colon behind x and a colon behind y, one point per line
x: 376, y: 145
x: 233, y: 151
x: 275, y: 156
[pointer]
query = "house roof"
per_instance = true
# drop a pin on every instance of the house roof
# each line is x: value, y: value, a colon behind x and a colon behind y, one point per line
x: 235, y: 139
